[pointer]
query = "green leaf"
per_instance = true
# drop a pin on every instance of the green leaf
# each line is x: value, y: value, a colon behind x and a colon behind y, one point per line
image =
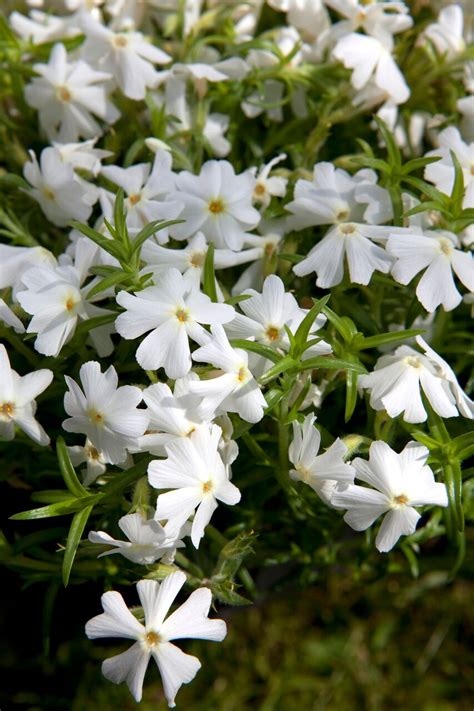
x: 253, y: 347
x: 393, y: 151
x: 302, y: 332
x: 281, y: 367
x: 120, y: 224
x: 418, y: 163
x: 107, y: 244
x: 351, y: 394
x: 232, y: 555
x: 343, y: 325
x: 457, y: 193
x: 209, y: 277
x: 91, y: 323
x: 329, y: 363
x: 78, y: 524
x: 362, y: 343
x: 67, y: 470
x: 61, y: 508
x: 113, y: 279
x: 149, y: 231
x: 233, y: 300
x: 225, y: 592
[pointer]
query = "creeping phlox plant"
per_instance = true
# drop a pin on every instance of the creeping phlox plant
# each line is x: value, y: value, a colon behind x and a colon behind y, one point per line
x: 236, y: 290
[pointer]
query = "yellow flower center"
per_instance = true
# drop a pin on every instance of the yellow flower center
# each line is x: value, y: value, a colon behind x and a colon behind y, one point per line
x: 197, y: 259
x: 348, y: 228
x: 259, y: 189
x: 70, y: 303
x: 182, y: 315
x: 48, y: 193
x: 242, y: 374
x: 96, y: 417
x: 413, y: 362
x: 152, y: 638
x: 216, y: 206
x: 401, y: 499
x: 342, y: 215
x: 64, y: 94
x: 207, y: 486
x: 7, y: 409
x: 120, y: 41
x: 133, y: 199
x: 445, y: 246
x: 272, y: 333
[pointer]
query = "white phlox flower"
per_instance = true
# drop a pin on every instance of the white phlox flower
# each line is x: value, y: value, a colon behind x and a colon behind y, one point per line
x: 265, y: 317
x: 40, y: 27
x: 381, y: 20
x: 309, y: 16
x: 190, y: 260
x: 146, y: 189
x: 173, y: 311
x: 397, y: 381
x: 60, y: 193
x: 334, y: 197
x: 267, y: 186
x: 447, y: 33
x: 442, y: 173
x: 83, y: 155
x: 148, y: 541
x: 67, y: 96
x: 263, y: 248
x: 236, y: 390
x: 105, y: 412
x: 464, y: 404
x: 218, y: 203
x: 369, y: 59
x: 17, y: 400
x: 154, y: 638
x: 127, y: 56
x: 57, y: 299
x: 9, y: 318
x: 172, y: 414
x: 15, y: 261
x: 438, y: 253
x: 399, y: 483
x: 322, y: 472
x: 96, y: 464
x: 194, y: 469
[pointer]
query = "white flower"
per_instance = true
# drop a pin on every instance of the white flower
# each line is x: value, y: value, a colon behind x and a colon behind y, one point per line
x: 266, y: 186
x: 380, y: 20
x: 172, y: 415
x: 60, y: 194
x: 436, y: 252
x: 17, y: 400
x: 447, y: 33
x: 83, y: 155
x: 442, y: 172
x: 173, y: 311
x: 147, y: 541
x: 464, y: 404
x: 195, y: 470
x: 321, y: 472
x: 333, y: 197
x: 263, y: 248
x: 396, y: 381
x: 9, y: 318
x: 67, y: 96
x: 214, y: 129
x: 400, y: 482
x: 310, y: 16
x: 57, y: 300
x: 266, y: 316
x: 236, y: 390
x: 146, y: 192
x: 369, y: 58
x: 190, y: 260
x: 88, y: 454
x: 350, y: 241
x: 465, y: 106
x: 153, y: 639
x: 15, y: 261
x: 41, y: 27
x: 127, y: 56
x: 217, y: 202
x: 104, y: 412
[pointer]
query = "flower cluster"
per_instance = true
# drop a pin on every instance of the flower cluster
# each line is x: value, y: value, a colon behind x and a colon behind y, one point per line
x: 208, y: 258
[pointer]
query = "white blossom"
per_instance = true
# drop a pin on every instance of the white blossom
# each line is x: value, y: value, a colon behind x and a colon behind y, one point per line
x: 173, y: 311
x: 322, y: 472
x: 106, y: 413
x: 17, y: 400
x: 436, y: 252
x: 399, y: 483
x: 447, y: 33
x: 218, y: 203
x: 199, y: 478
x: 148, y: 541
x: 442, y: 172
x: 67, y: 96
x: 154, y: 638
x: 236, y: 390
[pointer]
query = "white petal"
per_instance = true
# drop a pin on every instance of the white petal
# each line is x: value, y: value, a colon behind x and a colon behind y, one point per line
x: 190, y: 621
x: 398, y: 522
x: 116, y: 621
x: 157, y: 598
x: 130, y: 666
x: 176, y: 668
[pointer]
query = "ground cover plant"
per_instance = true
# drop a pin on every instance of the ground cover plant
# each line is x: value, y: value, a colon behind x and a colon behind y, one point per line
x: 236, y: 293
